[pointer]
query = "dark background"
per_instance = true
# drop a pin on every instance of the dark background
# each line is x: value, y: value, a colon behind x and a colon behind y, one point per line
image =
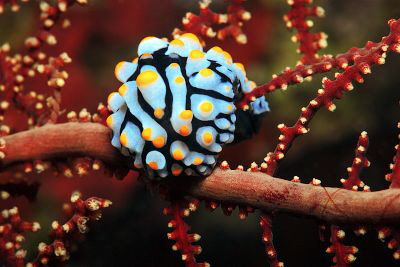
x: 133, y: 231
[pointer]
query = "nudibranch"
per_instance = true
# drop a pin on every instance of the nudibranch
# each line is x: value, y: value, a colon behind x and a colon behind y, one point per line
x: 175, y: 109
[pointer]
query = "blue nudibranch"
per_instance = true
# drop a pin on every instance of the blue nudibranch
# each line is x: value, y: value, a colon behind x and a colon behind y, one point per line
x: 175, y: 109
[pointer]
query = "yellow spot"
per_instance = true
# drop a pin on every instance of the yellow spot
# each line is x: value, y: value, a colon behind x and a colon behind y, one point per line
x: 146, y: 134
x: 177, y: 154
x: 145, y: 56
x: 135, y: 60
x: 153, y: 165
x: 206, y: 107
x: 240, y: 66
x: 174, y: 65
x: 179, y: 80
x: 159, y: 142
x: 184, y: 131
x: 206, y: 73
x: 197, y: 161
x: 123, y: 89
x: 177, y: 43
x: 217, y: 49
x: 230, y: 108
x: 176, y: 172
x: 110, y: 96
x: 109, y: 121
x: 208, y: 138
x: 228, y: 88
x: 158, y: 113
x: 118, y: 68
x: 123, y: 139
x: 227, y: 56
x: 186, y: 115
x: 190, y: 36
x: 196, y: 54
x: 146, y: 78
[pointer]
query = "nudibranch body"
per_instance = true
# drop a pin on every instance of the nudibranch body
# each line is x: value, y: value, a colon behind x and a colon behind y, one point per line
x: 175, y: 109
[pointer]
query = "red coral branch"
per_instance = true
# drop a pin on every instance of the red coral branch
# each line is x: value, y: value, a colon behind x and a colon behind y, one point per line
x: 360, y: 161
x: 372, y: 53
x: 83, y: 211
x: 333, y: 89
x: 202, y: 24
x: 296, y: 18
x: 394, y: 176
x: 394, y: 242
x: 266, y: 225
x: 77, y: 163
x: 344, y: 255
x: 12, y: 233
x: 183, y: 241
x: 45, y: 142
x: 15, y: 69
x: 393, y: 232
x: 13, y: 230
x: 255, y: 189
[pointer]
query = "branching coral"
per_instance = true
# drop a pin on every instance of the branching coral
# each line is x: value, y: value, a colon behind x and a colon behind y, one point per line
x: 223, y: 185
x: 183, y: 241
x: 13, y: 230
x: 83, y: 144
x: 39, y: 109
x: 394, y: 232
x: 345, y: 254
x: 266, y: 225
x: 203, y: 23
x: 15, y: 69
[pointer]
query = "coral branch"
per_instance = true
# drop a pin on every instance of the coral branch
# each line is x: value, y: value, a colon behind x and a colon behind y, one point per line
x: 266, y: 225
x: 202, y: 24
x: 334, y: 89
x: 59, y: 141
x: 13, y: 230
x: 16, y: 69
x: 360, y: 161
x: 371, y: 53
x: 178, y: 210
x: 393, y: 232
x: 394, y: 176
x: 344, y: 255
x: 83, y: 211
x: 394, y: 241
x: 254, y: 189
x: 296, y: 18
x: 12, y: 233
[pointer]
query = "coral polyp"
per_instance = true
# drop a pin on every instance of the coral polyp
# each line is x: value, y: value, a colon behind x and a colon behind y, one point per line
x: 175, y: 110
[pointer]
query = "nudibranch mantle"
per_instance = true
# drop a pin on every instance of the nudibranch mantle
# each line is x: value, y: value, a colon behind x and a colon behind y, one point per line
x: 175, y: 109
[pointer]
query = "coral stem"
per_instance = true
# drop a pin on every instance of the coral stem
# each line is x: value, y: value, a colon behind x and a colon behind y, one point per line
x: 180, y: 208
x: 254, y: 189
x: 394, y: 176
x: 373, y: 53
x: 296, y: 18
x: 344, y: 254
x: 266, y: 226
x: 334, y: 89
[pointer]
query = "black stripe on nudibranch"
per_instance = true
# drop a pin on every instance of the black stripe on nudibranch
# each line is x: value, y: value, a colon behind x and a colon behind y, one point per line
x: 175, y: 109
